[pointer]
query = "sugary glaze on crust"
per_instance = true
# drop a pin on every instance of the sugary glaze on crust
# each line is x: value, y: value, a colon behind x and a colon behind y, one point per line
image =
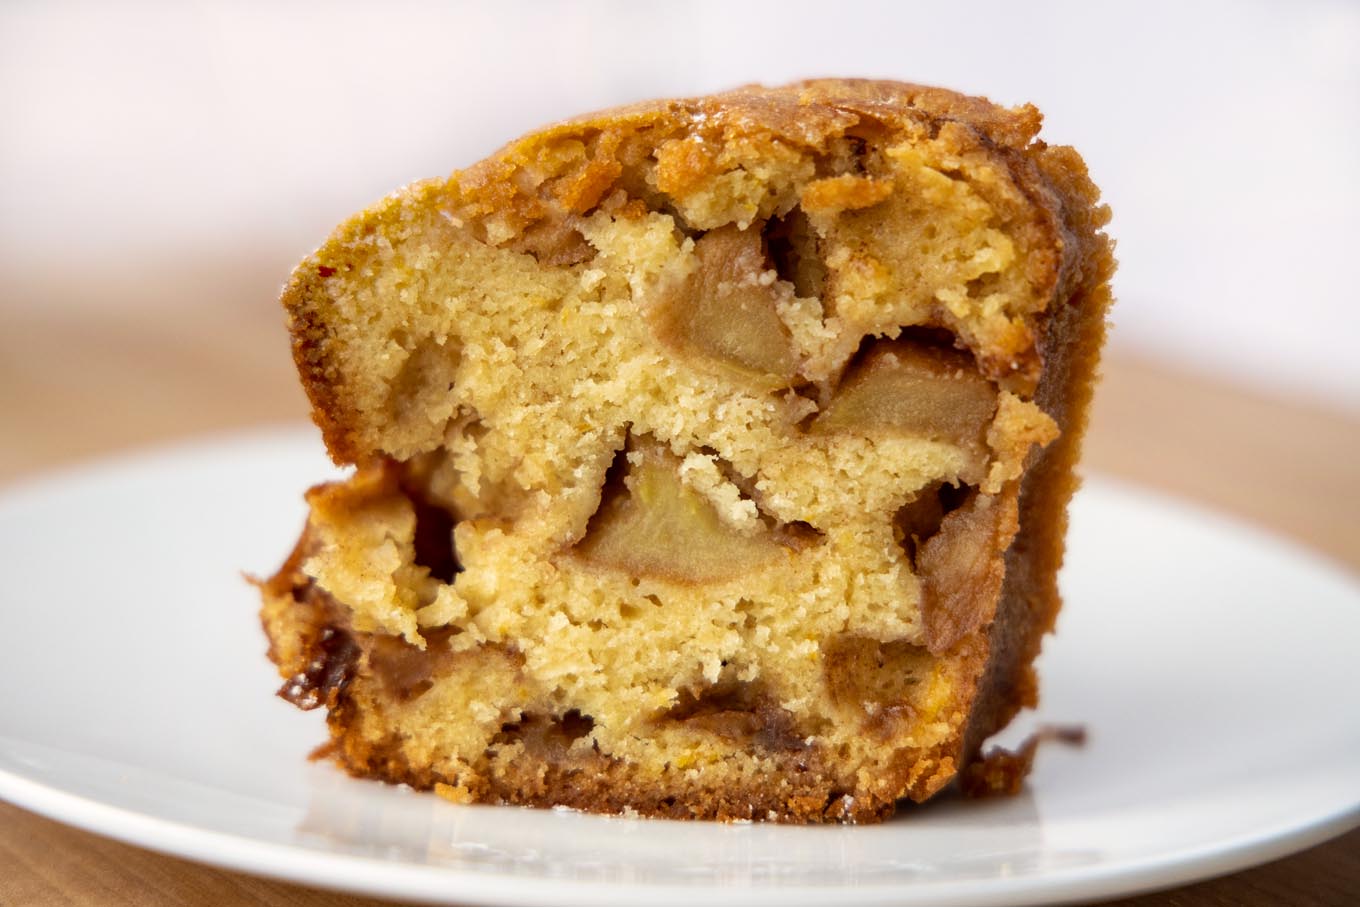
x: 816, y: 217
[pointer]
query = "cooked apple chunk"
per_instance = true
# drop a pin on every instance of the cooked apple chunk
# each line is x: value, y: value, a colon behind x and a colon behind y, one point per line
x: 652, y: 524
x: 907, y: 388
x: 724, y: 312
x: 962, y: 567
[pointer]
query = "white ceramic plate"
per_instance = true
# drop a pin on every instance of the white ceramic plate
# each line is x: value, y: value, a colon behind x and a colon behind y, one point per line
x: 1212, y: 665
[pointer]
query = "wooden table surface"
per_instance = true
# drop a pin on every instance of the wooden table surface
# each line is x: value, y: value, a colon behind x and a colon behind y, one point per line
x: 92, y: 362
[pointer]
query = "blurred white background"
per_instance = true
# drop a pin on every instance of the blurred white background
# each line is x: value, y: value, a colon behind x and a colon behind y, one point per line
x: 1226, y: 135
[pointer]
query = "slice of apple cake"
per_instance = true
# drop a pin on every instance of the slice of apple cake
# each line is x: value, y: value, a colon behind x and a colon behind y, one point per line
x: 712, y: 455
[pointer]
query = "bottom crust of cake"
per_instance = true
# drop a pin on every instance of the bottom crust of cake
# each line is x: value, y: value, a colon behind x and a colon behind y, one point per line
x: 756, y: 764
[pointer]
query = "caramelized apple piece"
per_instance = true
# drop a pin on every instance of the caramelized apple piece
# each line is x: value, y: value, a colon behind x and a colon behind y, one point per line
x: 404, y: 670
x: 554, y: 242
x: 906, y: 388
x: 743, y: 711
x: 724, y: 314
x: 658, y: 527
x: 962, y: 566
x: 920, y: 518
x: 885, y: 682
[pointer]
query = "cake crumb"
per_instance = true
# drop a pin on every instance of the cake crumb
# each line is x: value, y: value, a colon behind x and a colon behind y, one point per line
x: 458, y: 794
x: 1002, y: 772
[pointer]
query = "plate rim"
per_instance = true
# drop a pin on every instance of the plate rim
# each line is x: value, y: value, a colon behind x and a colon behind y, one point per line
x: 370, y: 876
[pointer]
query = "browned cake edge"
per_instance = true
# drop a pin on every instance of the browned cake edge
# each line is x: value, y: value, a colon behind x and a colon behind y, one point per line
x: 1071, y: 346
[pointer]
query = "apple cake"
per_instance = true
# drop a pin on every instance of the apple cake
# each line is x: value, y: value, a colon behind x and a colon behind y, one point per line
x: 711, y: 456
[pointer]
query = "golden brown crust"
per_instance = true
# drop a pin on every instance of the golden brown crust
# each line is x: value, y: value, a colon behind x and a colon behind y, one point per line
x: 309, y: 336
x: 546, y: 771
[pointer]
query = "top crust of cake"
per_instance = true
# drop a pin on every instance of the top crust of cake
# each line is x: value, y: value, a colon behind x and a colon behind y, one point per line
x: 712, y: 161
